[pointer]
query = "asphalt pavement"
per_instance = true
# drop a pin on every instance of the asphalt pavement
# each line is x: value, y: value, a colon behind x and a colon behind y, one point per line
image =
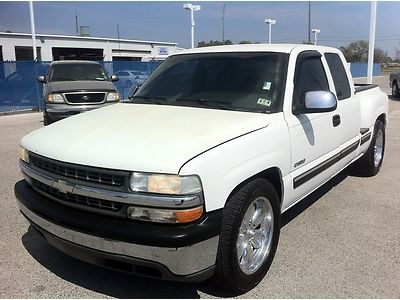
x: 343, y: 241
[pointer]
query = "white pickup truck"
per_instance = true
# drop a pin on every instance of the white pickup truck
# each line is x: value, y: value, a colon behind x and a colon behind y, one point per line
x: 189, y: 179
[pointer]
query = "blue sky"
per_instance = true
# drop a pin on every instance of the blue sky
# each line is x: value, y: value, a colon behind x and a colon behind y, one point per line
x: 340, y: 22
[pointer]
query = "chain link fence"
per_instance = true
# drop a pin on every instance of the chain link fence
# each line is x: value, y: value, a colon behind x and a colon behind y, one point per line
x: 20, y: 91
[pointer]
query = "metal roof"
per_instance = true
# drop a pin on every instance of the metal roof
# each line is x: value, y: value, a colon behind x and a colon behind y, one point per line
x: 77, y: 37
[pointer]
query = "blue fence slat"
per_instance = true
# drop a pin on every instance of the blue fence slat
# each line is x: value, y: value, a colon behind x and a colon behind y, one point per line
x: 19, y: 89
x: 361, y: 69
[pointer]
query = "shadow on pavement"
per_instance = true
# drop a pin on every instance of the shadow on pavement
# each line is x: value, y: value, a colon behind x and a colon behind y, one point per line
x: 297, y: 209
x: 123, y: 285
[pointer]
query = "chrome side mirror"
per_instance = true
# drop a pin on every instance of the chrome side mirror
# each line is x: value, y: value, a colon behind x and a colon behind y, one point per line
x: 114, y: 78
x: 318, y: 102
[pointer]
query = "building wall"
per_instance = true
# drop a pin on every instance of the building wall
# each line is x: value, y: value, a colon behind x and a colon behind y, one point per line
x: 110, y: 47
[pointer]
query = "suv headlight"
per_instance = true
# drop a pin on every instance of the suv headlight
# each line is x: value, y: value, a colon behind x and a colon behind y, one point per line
x: 113, y: 97
x: 55, y: 98
x: 164, y: 184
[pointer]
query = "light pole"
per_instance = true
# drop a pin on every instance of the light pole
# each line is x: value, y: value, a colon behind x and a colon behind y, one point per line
x: 270, y: 22
x: 316, y: 31
x: 192, y: 9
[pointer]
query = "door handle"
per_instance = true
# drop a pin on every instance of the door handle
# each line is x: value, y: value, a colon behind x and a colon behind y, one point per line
x: 336, y: 120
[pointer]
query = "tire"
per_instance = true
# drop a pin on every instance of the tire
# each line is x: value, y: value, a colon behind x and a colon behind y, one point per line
x: 46, y: 119
x: 370, y: 163
x: 395, y: 89
x: 235, y: 269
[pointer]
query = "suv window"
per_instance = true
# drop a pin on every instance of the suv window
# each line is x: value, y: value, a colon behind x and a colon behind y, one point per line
x: 339, y: 75
x: 310, y: 76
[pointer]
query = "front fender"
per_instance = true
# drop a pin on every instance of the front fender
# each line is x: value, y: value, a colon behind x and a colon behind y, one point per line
x: 224, y: 167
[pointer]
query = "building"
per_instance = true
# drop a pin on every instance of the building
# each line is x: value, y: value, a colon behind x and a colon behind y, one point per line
x: 18, y: 46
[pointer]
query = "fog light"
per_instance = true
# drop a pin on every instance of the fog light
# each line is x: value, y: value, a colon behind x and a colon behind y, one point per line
x: 159, y: 215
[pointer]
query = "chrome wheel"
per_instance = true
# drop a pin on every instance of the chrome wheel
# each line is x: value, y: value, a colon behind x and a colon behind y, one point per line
x: 378, y: 148
x: 255, y: 235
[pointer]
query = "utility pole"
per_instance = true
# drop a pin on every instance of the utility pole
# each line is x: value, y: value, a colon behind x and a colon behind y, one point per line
x: 223, y: 24
x: 33, y: 30
x: 76, y: 22
x: 309, y: 22
x: 119, y: 44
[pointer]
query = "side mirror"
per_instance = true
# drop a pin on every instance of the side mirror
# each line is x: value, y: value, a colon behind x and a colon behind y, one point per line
x: 114, y: 78
x: 41, y: 79
x: 318, y: 102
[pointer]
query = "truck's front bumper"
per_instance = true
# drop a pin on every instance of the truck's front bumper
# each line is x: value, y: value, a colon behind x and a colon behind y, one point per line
x: 177, y: 260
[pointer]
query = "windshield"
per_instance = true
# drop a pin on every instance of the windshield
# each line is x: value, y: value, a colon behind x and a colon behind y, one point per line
x: 77, y: 71
x: 235, y: 81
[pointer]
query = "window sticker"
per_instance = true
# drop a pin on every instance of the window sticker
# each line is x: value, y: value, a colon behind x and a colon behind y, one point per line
x: 267, y: 85
x: 263, y: 101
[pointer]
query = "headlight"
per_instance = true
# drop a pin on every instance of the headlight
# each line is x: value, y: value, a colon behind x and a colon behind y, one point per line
x: 165, y: 184
x: 113, y: 97
x: 55, y: 98
x: 159, y: 215
x: 24, y: 154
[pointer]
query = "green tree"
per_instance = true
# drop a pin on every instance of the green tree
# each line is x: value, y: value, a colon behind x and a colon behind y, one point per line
x: 358, y: 52
x: 245, y: 42
x: 214, y: 43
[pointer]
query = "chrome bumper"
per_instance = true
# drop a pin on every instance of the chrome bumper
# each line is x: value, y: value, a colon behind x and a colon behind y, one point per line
x: 180, y: 261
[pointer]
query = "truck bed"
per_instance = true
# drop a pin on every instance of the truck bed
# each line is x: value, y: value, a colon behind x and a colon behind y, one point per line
x: 359, y: 87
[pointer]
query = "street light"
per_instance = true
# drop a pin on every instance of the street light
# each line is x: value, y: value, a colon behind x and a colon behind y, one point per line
x: 192, y: 9
x: 270, y: 22
x: 315, y: 31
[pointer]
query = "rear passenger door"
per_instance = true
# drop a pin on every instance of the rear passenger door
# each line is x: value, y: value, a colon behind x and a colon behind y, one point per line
x: 348, y: 108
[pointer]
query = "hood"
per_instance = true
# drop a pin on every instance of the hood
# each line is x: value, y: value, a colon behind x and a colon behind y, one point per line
x: 81, y: 85
x: 140, y: 137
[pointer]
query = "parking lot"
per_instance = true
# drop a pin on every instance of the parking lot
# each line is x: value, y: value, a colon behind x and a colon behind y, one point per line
x: 343, y: 241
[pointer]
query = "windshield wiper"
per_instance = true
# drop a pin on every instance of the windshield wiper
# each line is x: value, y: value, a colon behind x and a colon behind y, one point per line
x: 158, y: 100
x: 207, y: 102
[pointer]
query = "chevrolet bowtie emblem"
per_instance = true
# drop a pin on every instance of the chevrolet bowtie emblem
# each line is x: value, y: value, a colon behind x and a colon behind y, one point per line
x: 63, y: 186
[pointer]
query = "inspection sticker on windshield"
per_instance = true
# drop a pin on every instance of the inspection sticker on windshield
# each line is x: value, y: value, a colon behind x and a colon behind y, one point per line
x: 263, y: 101
x: 267, y: 85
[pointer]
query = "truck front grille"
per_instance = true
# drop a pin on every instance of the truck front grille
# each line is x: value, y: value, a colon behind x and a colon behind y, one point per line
x: 82, y: 98
x: 76, y: 199
x: 85, y: 174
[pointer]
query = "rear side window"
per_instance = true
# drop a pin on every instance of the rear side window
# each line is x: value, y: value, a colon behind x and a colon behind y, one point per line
x: 339, y: 76
x: 310, y: 76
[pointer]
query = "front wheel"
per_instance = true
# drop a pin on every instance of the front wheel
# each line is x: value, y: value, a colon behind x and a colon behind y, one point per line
x: 46, y: 119
x: 249, y: 236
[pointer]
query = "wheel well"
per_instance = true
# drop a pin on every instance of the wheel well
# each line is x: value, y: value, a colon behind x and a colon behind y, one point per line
x: 382, y: 118
x: 273, y: 175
